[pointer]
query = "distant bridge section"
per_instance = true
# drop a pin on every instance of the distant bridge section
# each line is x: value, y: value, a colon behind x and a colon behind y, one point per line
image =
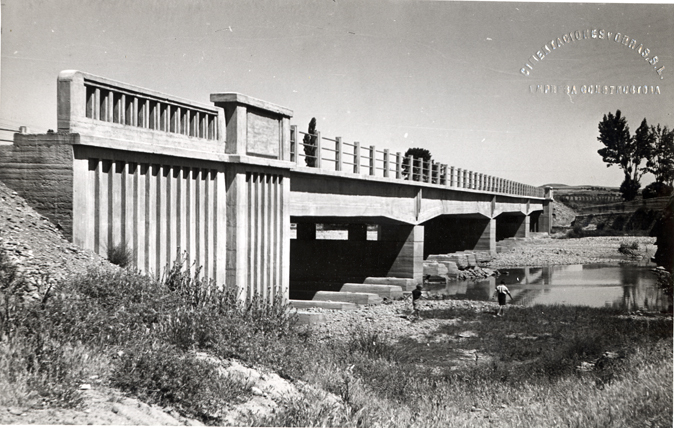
x: 224, y: 182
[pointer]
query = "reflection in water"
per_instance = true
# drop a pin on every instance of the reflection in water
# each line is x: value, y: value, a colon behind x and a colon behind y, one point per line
x: 628, y: 287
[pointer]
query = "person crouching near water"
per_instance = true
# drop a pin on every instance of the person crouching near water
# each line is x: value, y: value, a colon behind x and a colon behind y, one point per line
x: 502, y: 291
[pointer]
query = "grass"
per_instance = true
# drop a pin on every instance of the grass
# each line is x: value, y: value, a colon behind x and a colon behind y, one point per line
x: 143, y: 335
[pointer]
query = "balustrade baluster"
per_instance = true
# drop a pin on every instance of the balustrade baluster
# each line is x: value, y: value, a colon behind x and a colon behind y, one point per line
x: 387, y: 163
x: 356, y: 157
x: 338, y: 153
x: 319, y: 148
x: 293, y: 144
x: 372, y: 160
x: 399, y: 165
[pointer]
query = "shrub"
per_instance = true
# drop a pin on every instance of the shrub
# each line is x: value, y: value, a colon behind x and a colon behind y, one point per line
x: 165, y: 375
x: 629, y: 248
x: 120, y: 255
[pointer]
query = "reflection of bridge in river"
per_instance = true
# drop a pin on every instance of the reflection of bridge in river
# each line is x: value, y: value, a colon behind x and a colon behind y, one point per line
x: 625, y: 287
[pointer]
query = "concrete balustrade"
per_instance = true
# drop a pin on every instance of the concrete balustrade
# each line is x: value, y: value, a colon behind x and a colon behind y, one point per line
x: 418, y: 170
x: 102, y: 109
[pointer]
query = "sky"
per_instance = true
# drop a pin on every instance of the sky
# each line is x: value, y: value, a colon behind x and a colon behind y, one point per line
x: 451, y: 77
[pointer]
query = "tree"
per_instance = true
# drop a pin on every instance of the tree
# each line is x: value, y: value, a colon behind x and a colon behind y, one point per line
x: 309, y: 142
x: 660, y: 156
x: 416, y: 153
x: 624, y: 150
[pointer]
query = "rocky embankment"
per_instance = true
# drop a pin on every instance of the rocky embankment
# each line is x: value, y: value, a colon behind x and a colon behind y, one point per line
x: 40, y: 251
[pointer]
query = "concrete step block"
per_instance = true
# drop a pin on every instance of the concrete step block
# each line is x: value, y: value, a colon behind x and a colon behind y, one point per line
x: 405, y: 283
x: 345, y: 296
x: 310, y: 318
x: 435, y: 269
x: 382, y: 290
x: 305, y: 304
x: 446, y: 259
x: 472, y: 261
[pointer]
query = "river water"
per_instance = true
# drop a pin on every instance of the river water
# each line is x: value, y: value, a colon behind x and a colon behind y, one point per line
x: 628, y: 287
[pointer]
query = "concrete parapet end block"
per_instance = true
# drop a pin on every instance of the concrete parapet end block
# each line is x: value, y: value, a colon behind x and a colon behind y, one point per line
x: 382, y: 290
x: 344, y: 296
x: 305, y: 304
x: 404, y: 283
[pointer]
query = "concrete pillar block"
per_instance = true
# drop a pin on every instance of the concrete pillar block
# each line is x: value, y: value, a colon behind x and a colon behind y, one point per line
x: 409, y: 261
x: 306, y: 231
x: 357, y: 232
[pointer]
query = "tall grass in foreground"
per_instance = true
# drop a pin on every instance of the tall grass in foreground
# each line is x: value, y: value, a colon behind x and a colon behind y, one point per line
x: 140, y: 334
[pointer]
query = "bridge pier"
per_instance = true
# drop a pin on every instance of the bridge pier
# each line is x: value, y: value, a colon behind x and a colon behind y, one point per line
x: 409, y: 241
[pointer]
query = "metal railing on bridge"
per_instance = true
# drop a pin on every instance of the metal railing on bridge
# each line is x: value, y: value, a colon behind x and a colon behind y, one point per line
x: 337, y: 155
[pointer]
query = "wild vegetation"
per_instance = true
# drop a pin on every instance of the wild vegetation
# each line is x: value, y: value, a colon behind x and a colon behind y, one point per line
x: 537, y: 366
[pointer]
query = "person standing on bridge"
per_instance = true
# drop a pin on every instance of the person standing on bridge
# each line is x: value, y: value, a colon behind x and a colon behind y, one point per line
x: 502, y: 291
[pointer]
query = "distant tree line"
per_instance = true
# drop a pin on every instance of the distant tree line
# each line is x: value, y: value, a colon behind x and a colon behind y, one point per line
x: 649, y: 150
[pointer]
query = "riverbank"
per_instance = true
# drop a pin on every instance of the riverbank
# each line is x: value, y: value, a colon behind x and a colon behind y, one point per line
x: 561, y: 251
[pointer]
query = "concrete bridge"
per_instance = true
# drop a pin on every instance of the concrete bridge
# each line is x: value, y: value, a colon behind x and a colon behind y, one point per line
x: 223, y: 182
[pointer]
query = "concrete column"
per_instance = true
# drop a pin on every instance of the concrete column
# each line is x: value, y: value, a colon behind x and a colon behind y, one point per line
x: 545, y: 219
x: 523, y: 228
x: 487, y: 240
x: 306, y: 231
x: 409, y: 240
x: 357, y: 232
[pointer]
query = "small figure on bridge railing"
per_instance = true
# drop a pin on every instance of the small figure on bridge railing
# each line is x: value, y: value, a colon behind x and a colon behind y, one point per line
x: 502, y: 291
x: 309, y: 143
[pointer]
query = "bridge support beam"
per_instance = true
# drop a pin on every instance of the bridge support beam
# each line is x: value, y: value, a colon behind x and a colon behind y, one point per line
x: 409, y: 261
